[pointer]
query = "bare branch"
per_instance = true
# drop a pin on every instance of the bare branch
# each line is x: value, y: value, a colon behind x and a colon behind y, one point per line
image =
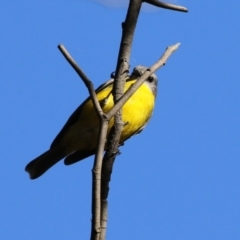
x: 109, y: 157
x: 96, y: 181
x: 103, y: 219
x: 166, y: 5
x: 122, y: 70
x: 161, y: 62
x: 102, y: 168
x: 85, y: 79
x: 97, y: 167
x: 100, y: 186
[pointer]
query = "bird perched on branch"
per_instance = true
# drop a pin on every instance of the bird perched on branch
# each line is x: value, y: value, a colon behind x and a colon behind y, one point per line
x: 78, y: 138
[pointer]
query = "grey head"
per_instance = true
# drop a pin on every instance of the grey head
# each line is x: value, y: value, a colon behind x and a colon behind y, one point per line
x: 152, y: 80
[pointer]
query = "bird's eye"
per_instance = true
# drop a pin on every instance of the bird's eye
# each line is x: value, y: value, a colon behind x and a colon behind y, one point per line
x: 150, y: 79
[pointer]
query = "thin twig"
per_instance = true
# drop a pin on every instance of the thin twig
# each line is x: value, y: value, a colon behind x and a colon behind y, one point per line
x: 97, y: 167
x: 85, y: 79
x: 161, y: 62
x: 166, y: 5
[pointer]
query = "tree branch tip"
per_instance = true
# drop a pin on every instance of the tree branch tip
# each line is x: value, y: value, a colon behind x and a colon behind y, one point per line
x: 60, y: 46
x: 169, y: 6
x: 173, y: 47
x: 63, y: 50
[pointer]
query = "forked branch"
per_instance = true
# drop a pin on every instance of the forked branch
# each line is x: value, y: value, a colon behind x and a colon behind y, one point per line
x: 109, y: 160
x: 101, y: 172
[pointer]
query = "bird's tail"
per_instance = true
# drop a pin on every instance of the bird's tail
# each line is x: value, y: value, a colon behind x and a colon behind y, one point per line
x: 41, y: 164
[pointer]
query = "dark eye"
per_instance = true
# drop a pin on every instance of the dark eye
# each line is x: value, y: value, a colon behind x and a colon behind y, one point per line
x: 150, y: 79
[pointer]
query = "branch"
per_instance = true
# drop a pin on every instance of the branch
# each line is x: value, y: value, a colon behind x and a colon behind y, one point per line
x: 101, y: 172
x: 97, y: 167
x: 96, y: 182
x: 161, y: 62
x: 109, y: 157
x: 122, y: 70
x: 85, y: 79
x: 166, y: 5
x: 104, y: 208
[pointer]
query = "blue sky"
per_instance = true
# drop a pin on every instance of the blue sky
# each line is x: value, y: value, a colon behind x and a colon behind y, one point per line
x: 178, y: 179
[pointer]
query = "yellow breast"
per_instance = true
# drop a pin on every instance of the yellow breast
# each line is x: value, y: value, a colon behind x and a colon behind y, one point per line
x: 135, y: 113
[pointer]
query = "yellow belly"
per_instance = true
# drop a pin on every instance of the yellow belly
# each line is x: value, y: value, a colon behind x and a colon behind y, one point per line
x: 135, y: 113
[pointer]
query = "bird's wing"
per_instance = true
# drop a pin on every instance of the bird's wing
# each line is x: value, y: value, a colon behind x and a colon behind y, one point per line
x: 74, y: 117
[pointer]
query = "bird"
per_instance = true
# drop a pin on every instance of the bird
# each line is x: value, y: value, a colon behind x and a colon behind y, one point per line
x: 78, y: 138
